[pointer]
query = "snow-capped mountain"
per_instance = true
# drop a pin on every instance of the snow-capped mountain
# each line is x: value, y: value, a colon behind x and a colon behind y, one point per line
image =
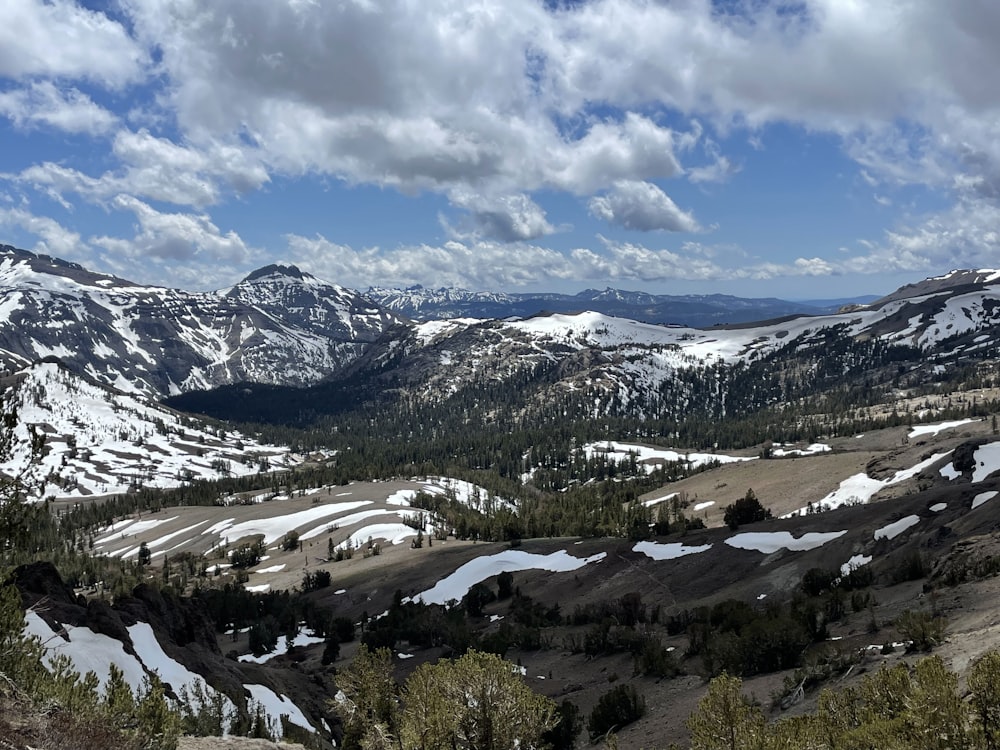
x: 278, y: 325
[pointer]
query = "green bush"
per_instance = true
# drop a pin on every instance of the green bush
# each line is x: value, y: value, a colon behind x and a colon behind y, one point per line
x: 615, y: 709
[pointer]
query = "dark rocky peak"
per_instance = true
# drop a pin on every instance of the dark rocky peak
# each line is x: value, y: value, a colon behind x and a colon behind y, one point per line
x: 956, y: 281
x: 276, y: 269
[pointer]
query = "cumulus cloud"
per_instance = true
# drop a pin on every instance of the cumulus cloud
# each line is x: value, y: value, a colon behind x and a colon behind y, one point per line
x: 44, y: 104
x: 507, y: 218
x: 492, y: 265
x: 158, y: 169
x: 185, y: 249
x: 60, y: 39
x: 472, y: 264
x: 53, y: 238
x: 641, y: 206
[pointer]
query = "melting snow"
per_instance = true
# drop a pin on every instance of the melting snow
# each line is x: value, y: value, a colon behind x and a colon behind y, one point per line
x: 670, y: 551
x: 938, y: 507
x: 457, y: 585
x: 300, y: 640
x: 277, y: 705
x: 811, y: 450
x: 982, y: 497
x: 658, y: 500
x: 987, y: 461
x: 894, y: 529
x: 622, y: 451
x: 934, y: 429
x: 860, y: 488
x: 772, y: 541
x: 272, y: 569
x: 856, y: 561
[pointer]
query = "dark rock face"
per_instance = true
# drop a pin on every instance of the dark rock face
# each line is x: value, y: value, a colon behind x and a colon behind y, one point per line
x: 41, y: 580
x: 180, y: 619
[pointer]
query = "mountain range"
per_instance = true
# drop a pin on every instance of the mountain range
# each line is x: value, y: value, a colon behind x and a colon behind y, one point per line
x: 284, y: 327
x: 698, y: 310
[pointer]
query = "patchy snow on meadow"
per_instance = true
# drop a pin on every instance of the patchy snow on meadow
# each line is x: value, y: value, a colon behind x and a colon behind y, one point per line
x: 657, y: 500
x: 811, y: 450
x: 671, y: 551
x: 772, y: 541
x: 456, y: 585
x: 859, y: 489
x: 894, y: 529
x: 394, y: 533
x: 274, y: 528
x: 654, y: 457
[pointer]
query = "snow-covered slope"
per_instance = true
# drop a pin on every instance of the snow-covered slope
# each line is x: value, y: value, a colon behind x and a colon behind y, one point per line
x: 98, y: 441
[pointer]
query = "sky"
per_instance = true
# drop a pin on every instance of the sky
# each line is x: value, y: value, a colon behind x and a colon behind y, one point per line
x: 799, y: 149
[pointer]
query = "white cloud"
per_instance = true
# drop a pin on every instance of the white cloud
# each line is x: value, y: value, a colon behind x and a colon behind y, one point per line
x: 492, y: 265
x: 641, y: 206
x: 157, y: 169
x: 494, y: 102
x: 507, y: 218
x: 481, y: 264
x: 58, y: 38
x: 44, y: 104
x: 431, y: 97
x: 188, y: 250
x: 53, y: 238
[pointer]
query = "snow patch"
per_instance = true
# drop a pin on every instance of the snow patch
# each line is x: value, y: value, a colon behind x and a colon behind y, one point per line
x: 894, y: 529
x: 453, y: 587
x: 671, y: 551
x: 772, y: 541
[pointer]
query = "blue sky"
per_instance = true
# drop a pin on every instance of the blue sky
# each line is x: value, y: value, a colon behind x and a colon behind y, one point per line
x: 821, y: 148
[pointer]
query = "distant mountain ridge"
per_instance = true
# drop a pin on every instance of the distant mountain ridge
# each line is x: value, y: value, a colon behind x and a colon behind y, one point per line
x: 694, y: 310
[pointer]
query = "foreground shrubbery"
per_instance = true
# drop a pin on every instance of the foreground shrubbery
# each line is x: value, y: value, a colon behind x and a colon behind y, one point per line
x: 477, y: 701
x: 896, y: 708
x: 77, y: 711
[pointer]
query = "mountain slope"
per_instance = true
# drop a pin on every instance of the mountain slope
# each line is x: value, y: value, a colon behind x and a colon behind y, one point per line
x: 100, y: 442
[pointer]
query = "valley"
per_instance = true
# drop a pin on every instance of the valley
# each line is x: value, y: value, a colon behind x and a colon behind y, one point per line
x: 292, y: 474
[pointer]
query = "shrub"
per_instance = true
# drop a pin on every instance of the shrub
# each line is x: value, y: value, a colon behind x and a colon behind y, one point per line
x: 747, y: 509
x: 290, y: 541
x: 616, y: 708
x: 923, y: 630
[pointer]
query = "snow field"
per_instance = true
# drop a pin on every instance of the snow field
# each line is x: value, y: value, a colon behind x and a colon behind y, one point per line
x: 456, y: 585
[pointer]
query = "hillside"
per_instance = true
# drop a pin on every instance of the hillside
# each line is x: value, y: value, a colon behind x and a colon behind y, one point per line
x: 938, y: 512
